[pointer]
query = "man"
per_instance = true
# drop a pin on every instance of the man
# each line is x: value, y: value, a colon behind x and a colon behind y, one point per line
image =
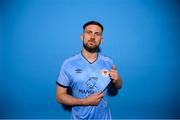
x: 88, y: 74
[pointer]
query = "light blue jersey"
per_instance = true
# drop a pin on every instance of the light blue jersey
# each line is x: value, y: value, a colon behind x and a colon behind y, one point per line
x: 86, y: 78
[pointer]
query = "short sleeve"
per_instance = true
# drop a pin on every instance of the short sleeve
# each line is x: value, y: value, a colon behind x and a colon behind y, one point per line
x: 63, y: 77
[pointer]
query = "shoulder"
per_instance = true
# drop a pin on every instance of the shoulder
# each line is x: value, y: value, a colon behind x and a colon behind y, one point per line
x: 71, y: 60
x: 106, y: 58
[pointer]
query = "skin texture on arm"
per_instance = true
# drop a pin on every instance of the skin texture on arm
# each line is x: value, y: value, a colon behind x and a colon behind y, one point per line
x: 63, y: 97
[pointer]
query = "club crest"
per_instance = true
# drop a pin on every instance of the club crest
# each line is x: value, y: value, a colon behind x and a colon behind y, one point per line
x: 105, y: 72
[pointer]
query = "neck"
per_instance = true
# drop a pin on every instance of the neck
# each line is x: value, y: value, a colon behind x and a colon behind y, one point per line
x: 91, y: 57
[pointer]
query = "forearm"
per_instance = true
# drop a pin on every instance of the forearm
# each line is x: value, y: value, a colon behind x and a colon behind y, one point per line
x: 118, y: 83
x: 69, y: 100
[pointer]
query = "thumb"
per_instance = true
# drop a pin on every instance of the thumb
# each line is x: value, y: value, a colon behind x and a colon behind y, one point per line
x: 113, y: 67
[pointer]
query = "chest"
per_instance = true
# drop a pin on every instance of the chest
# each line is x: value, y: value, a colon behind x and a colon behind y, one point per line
x: 90, y: 76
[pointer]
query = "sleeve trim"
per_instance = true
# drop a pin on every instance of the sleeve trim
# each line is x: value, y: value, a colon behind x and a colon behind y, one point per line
x: 62, y: 85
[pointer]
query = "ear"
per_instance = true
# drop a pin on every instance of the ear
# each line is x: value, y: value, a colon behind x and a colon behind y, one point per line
x: 102, y: 39
x: 81, y: 37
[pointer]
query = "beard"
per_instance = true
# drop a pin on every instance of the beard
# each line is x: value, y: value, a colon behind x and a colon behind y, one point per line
x: 91, y: 48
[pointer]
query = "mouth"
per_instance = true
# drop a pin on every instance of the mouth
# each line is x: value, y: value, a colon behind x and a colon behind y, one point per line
x: 91, y: 43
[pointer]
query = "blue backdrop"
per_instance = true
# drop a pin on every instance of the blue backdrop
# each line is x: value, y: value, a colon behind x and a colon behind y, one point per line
x: 141, y: 36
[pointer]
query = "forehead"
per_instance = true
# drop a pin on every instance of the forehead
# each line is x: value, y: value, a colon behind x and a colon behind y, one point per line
x: 94, y: 28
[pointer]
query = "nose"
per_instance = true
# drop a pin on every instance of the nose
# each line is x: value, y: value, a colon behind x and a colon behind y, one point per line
x: 92, y: 35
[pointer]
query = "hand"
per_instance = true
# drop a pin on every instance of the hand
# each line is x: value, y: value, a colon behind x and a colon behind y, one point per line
x: 113, y: 73
x: 93, y: 99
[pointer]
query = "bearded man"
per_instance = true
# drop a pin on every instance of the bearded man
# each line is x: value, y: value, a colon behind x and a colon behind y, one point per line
x: 88, y: 75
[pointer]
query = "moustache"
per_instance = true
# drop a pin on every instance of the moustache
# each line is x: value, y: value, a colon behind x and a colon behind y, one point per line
x: 92, y: 40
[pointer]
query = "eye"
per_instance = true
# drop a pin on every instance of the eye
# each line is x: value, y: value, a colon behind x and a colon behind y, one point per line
x: 89, y: 32
x: 98, y: 34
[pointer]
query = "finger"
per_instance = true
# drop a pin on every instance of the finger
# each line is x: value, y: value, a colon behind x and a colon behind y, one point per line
x: 101, y: 95
x: 96, y: 93
x: 112, y: 72
x: 113, y: 67
x: 100, y: 92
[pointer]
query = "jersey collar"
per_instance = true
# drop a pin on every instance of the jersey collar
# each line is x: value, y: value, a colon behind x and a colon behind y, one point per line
x: 86, y: 60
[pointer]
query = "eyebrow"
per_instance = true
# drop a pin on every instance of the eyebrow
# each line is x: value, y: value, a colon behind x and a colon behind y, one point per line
x: 92, y: 31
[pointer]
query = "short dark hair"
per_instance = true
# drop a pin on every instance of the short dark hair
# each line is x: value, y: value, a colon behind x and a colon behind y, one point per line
x: 93, y: 23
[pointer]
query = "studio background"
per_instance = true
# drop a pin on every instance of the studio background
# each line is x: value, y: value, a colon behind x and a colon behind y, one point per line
x: 141, y: 36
